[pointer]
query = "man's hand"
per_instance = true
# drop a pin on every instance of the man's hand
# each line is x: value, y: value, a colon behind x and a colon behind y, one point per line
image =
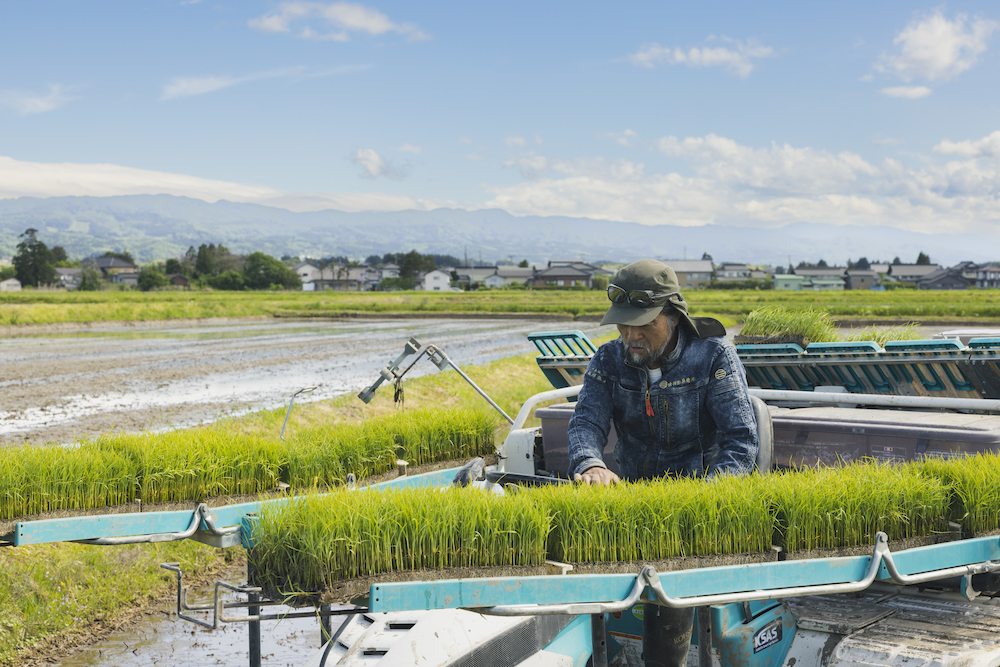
x: 596, y: 475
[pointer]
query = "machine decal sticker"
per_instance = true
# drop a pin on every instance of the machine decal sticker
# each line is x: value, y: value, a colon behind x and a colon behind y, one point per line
x: 767, y: 636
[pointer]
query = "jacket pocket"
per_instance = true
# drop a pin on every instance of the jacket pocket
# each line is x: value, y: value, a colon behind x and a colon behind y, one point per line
x: 682, y: 417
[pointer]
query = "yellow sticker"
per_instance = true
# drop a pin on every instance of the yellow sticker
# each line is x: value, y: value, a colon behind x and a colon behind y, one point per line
x: 720, y: 374
x: 663, y: 384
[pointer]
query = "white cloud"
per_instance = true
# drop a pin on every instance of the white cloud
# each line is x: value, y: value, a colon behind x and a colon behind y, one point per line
x: 374, y: 165
x: 909, y: 92
x: 737, y: 60
x: 474, y: 156
x: 514, y: 140
x: 538, y: 139
x: 199, y: 85
x: 36, y: 179
x: 532, y: 166
x: 624, y: 138
x: 730, y: 183
x: 29, y: 103
x: 987, y: 147
x: 937, y: 49
x: 410, y: 148
x: 337, y: 20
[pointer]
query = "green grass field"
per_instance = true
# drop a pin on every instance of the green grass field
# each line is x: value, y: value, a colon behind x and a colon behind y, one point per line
x: 731, y: 307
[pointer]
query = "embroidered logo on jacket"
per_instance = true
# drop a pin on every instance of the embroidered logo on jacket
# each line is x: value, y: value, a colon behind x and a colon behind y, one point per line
x: 675, y: 383
x: 720, y: 374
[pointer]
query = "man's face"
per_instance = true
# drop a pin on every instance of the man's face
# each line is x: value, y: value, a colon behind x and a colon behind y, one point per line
x: 646, y: 344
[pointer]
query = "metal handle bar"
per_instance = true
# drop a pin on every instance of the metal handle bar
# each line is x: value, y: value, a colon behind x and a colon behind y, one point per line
x: 576, y: 608
x: 959, y: 571
x: 202, y: 513
x: 648, y: 576
x: 551, y: 395
x: 890, y: 401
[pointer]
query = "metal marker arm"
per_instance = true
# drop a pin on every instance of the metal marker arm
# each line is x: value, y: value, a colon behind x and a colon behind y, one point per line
x: 440, y: 359
x: 288, y: 413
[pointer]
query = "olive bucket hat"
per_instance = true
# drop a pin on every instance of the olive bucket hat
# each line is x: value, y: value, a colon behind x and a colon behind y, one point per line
x: 642, y: 290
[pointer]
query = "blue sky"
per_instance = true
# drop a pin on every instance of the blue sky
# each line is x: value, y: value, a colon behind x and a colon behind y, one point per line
x: 738, y: 113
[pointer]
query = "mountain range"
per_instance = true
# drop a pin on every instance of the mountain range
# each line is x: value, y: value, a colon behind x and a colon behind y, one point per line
x: 161, y: 226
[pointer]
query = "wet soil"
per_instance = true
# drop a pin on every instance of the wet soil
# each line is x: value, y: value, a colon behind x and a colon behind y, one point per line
x: 68, y: 383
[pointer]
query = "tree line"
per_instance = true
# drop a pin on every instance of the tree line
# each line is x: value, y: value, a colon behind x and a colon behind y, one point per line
x: 209, y: 266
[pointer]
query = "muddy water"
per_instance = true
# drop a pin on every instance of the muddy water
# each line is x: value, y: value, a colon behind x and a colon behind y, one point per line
x: 64, y: 386
x: 163, y: 640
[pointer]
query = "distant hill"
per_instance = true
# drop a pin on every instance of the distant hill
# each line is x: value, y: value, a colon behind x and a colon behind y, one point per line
x: 161, y: 226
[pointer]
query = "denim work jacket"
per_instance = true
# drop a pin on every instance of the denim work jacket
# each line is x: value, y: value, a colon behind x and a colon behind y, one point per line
x: 702, y: 422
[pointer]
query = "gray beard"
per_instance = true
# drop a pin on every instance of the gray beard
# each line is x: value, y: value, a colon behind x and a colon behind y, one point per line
x: 646, y: 358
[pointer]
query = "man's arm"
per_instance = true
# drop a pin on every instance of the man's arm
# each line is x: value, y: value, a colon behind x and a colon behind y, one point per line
x: 589, y: 427
x: 729, y: 404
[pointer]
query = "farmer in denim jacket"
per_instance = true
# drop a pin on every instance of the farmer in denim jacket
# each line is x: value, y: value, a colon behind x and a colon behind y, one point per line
x: 677, y: 394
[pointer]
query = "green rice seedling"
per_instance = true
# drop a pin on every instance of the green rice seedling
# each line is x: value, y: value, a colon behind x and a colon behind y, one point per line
x: 815, y: 325
x: 52, y: 477
x: 883, y: 335
x: 311, y: 542
x: 323, y: 455
x: 658, y: 519
x: 846, y: 506
x: 975, y: 483
x: 195, y: 465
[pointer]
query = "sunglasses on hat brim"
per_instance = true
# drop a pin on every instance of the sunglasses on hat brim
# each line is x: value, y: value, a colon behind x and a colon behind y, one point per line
x: 640, y: 298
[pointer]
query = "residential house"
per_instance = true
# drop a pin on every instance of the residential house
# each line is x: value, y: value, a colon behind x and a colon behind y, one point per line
x: 10, y: 285
x: 944, y: 279
x: 110, y: 266
x: 468, y: 275
x: 354, y: 278
x: 307, y: 272
x: 789, y: 282
x: 563, y: 276
x: 69, y: 277
x: 822, y: 278
x: 389, y: 271
x: 691, y: 273
x: 729, y: 272
x: 861, y: 279
x: 988, y: 276
x: 179, y: 280
x: 798, y: 283
x: 968, y: 270
x: 515, y: 274
x: 435, y: 281
x: 911, y: 273
x: 129, y: 279
x: 494, y: 281
x: 880, y: 269
x: 823, y: 272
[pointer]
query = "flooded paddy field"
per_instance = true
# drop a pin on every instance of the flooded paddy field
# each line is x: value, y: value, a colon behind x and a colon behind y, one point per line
x: 65, y: 385
x: 161, y: 639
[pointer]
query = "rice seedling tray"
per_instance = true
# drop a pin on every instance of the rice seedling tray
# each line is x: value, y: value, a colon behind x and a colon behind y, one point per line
x: 7, y: 527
